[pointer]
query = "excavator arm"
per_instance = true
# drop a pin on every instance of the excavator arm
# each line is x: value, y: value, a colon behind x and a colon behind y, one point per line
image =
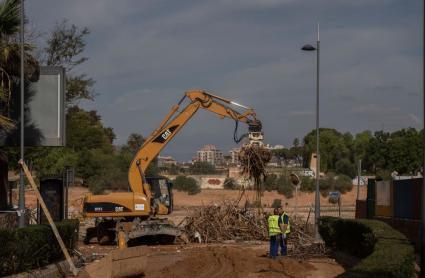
x: 174, y: 122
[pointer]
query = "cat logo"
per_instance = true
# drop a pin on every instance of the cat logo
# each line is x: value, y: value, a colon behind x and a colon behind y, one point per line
x: 119, y: 209
x: 165, y: 134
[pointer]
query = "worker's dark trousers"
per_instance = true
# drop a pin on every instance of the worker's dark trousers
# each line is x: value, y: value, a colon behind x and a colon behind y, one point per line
x: 283, y: 242
x: 274, y: 246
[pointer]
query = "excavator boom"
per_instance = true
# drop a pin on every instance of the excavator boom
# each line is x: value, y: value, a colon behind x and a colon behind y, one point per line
x: 132, y: 214
x: 170, y: 126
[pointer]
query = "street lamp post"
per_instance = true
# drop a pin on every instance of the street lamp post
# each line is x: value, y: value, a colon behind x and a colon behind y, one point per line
x: 21, y: 221
x: 309, y: 47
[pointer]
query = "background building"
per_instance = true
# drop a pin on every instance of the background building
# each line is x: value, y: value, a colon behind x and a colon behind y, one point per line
x: 234, y: 154
x: 164, y: 161
x: 210, y: 154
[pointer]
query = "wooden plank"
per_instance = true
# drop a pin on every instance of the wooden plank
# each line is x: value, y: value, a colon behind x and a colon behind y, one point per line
x: 49, y: 217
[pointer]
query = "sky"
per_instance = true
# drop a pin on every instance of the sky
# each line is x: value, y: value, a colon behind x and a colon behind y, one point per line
x: 145, y: 54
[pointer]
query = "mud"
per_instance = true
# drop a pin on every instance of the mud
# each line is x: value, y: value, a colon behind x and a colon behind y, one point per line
x: 226, y: 261
x: 196, y: 260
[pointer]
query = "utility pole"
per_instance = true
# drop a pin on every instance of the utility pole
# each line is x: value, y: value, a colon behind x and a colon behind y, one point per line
x: 359, y: 173
x: 317, y: 199
x: 309, y: 47
x: 422, y: 274
x: 21, y: 173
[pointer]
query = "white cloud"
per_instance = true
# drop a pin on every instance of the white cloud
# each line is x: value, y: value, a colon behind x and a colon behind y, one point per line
x: 144, y: 54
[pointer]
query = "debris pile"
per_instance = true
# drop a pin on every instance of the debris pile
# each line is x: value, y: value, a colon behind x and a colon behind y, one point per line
x: 227, y: 221
x: 301, y: 242
x: 253, y: 159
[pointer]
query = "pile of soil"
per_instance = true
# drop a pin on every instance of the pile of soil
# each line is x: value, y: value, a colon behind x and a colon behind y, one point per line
x: 224, y: 261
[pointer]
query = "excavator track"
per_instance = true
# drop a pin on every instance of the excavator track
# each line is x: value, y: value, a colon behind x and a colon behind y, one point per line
x: 147, y: 232
x: 153, y: 231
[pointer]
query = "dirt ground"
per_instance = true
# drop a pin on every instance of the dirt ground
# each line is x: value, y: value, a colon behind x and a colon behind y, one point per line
x: 216, y: 260
x: 208, y: 196
x: 230, y: 260
x: 183, y: 203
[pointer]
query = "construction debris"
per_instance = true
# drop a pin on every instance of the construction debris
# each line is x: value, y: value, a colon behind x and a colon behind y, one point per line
x: 253, y: 159
x: 301, y: 241
x: 217, y: 223
x: 227, y: 222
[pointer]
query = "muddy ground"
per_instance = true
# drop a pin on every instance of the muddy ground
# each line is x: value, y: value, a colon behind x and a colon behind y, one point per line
x: 217, y: 260
x: 228, y: 260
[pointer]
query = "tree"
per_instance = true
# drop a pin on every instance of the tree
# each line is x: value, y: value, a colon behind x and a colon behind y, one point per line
x: 186, y: 184
x: 86, y: 131
x: 52, y: 162
x: 346, y: 167
x: 134, y: 142
x: 377, y: 153
x: 296, y: 143
x: 10, y: 60
x: 65, y: 46
x: 361, y: 143
x: 333, y: 147
x: 202, y: 167
x: 405, y: 151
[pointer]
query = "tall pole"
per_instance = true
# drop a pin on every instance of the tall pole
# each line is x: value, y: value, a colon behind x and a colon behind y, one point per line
x: 359, y: 173
x: 422, y: 274
x: 296, y: 200
x: 317, y: 199
x: 21, y: 173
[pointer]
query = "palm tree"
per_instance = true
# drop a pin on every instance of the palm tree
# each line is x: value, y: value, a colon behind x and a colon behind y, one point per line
x: 10, y: 58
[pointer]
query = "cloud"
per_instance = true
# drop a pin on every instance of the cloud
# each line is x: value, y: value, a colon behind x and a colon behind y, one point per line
x: 372, y: 108
x: 145, y: 54
x: 416, y: 120
x: 302, y: 113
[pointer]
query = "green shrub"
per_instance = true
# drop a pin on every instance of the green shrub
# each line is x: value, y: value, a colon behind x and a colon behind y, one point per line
x: 385, y: 252
x: 343, y: 184
x: 34, y: 246
x: 277, y: 203
x: 202, y: 167
x: 186, y: 184
x: 230, y: 183
x: 270, y: 182
x: 286, y: 190
x: 308, y: 184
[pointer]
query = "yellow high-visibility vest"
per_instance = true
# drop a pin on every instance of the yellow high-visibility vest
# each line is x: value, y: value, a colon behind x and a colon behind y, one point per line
x: 274, y: 228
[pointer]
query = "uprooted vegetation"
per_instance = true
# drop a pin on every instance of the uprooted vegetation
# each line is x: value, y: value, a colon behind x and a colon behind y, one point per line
x: 254, y: 160
x: 227, y: 221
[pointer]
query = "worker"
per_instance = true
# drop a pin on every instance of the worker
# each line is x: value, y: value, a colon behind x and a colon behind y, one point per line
x: 274, y: 233
x: 286, y: 229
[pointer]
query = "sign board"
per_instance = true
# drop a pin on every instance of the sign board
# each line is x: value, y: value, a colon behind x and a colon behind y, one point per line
x: 44, y: 112
x: 52, y: 192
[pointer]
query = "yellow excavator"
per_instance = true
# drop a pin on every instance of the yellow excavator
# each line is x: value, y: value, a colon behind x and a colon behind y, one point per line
x: 124, y: 216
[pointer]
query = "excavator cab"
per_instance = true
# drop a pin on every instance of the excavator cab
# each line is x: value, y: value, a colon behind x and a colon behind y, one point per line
x: 162, y: 193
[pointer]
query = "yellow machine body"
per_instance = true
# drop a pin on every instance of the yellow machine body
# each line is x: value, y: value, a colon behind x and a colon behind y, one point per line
x: 152, y: 197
